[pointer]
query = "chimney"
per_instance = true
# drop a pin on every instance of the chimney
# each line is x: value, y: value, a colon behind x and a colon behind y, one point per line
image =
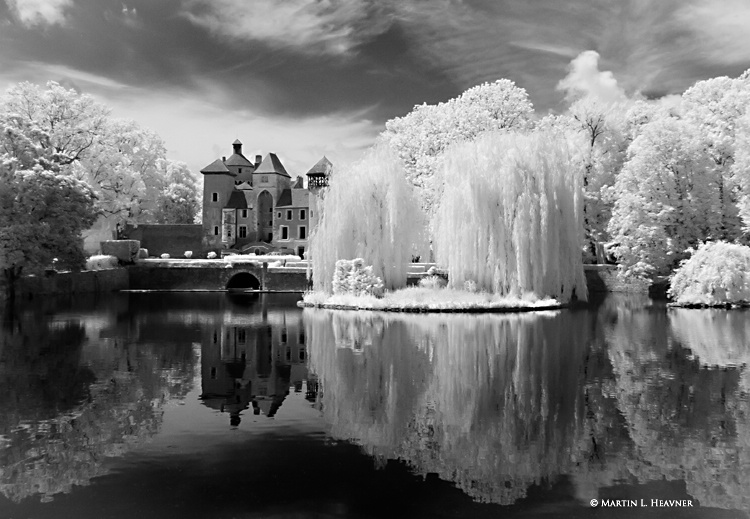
x: 223, y: 159
x: 237, y: 147
x: 258, y: 160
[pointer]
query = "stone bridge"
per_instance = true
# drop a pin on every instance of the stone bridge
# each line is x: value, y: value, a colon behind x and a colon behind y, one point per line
x: 215, y: 275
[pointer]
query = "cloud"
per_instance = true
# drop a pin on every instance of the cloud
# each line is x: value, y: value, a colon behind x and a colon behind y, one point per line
x: 722, y: 27
x: 333, y: 27
x: 39, y: 12
x: 584, y: 79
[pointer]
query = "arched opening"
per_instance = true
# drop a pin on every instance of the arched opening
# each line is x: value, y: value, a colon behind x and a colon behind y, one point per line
x: 265, y: 217
x: 243, y: 281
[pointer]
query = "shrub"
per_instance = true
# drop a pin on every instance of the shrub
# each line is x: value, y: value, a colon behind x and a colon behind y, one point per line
x: 211, y: 255
x: 188, y: 254
x: 434, y: 282
x: 716, y: 274
x: 353, y: 277
x: 470, y: 285
x: 165, y: 256
x: 102, y: 262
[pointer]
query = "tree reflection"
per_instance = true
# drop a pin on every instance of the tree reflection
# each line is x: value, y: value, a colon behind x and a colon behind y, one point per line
x: 687, y: 422
x: 74, y: 392
x: 492, y: 402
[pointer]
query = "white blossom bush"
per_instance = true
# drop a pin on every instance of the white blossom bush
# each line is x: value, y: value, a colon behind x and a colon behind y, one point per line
x: 102, y: 262
x: 165, y: 256
x: 211, y: 255
x: 353, y: 277
x: 470, y: 285
x: 188, y: 254
x: 716, y: 274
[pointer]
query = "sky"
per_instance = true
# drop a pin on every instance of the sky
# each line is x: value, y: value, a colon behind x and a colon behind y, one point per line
x: 307, y: 78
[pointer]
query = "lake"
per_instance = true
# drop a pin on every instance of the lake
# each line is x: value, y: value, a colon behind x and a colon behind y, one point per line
x: 214, y: 405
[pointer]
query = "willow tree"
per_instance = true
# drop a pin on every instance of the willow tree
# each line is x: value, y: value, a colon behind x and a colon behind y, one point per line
x: 369, y: 212
x: 510, y: 218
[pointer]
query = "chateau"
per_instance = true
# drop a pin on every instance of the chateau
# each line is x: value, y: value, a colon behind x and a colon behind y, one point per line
x: 256, y: 206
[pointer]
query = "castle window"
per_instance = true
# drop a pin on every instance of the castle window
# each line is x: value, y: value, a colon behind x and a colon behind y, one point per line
x: 302, y: 354
x: 284, y: 232
x: 270, y: 236
x: 302, y: 232
x: 239, y: 170
x: 283, y: 336
x: 243, y: 231
x: 301, y: 252
x: 302, y: 214
x: 216, y: 230
x: 244, y: 213
x: 302, y: 337
x: 214, y: 197
x: 278, y: 215
x: 311, y: 213
x: 289, y: 214
x: 264, y: 178
x: 241, y: 336
x: 270, y: 223
x: 213, y: 373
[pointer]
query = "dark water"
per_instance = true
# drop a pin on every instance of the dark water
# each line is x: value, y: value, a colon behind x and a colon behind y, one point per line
x: 234, y: 406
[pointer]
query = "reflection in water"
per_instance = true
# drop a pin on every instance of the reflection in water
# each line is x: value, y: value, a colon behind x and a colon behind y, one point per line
x: 491, y: 402
x: 684, y: 394
x: 501, y: 403
x: 252, y: 365
x: 75, y: 391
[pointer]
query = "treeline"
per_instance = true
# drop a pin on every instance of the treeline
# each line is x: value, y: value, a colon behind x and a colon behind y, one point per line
x: 659, y: 176
x: 65, y: 163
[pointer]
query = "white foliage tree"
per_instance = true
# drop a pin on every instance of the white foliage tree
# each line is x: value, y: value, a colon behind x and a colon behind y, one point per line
x: 715, y: 107
x: 741, y: 170
x: 369, y: 212
x: 421, y: 137
x: 511, y: 220
x: 667, y: 198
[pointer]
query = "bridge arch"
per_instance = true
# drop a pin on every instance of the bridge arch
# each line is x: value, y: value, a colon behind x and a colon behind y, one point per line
x: 243, y: 281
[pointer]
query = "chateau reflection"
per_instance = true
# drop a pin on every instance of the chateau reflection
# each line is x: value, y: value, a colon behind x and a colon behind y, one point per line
x: 250, y: 366
x: 610, y: 400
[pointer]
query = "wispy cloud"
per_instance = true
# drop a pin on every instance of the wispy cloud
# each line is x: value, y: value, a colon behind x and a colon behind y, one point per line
x: 723, y: 28
x: 310, y: 26
x: 39, y: 12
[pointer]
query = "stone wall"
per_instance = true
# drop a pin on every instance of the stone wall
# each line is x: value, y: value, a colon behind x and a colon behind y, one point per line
x: 170, y: 239
x: 62, y: 283
x: 286, y: 279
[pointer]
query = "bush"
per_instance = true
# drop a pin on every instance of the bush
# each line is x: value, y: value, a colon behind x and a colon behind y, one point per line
x: 165, y: 256
x: 434, y: 282
x: 353, y: 277
x: 188, y: 254
x: 470, y: 285
x: 211, y: 255
x: 716, y: 274
x: 102, y: 262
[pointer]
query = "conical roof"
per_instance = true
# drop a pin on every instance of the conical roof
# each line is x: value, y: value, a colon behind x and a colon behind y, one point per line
x: 216, y: 166
x: 323, y: 166
x: 272, y: 164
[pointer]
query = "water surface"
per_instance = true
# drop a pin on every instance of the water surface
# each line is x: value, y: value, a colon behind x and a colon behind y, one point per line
x: 216, y: 405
